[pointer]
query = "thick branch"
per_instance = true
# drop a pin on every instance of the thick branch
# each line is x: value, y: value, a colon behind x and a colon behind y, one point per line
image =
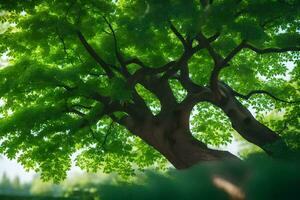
x: 196, y: 93
x: 140, y: 74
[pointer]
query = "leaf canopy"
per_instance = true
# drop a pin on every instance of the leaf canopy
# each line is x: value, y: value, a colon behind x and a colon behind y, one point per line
x: 49, y: 89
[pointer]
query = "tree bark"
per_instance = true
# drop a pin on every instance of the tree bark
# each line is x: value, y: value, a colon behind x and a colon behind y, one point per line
x: 169, y: 134
x: 245, y: 123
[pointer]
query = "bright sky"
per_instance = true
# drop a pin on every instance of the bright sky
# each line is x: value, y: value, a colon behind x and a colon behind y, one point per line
x: 12, y: 169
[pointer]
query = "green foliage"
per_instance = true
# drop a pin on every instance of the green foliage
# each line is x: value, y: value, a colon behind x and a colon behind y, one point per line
x: 119, y: 91
x: 49, y: 87
x: 257, y: 178
x: 210, y: 125
x: 150, y: 99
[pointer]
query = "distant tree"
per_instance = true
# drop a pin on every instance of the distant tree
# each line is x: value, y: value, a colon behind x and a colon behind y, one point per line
x: 107, y: 77
x: 5, y: 185
x: 16, y: 184
x: 13, y: 187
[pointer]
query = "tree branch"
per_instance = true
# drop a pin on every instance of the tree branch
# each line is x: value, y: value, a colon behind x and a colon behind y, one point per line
x: 233, y: 53
x: 148, y: 71
x: 95, y: 56
x: 203, y: 41
x: 106, y: 135
x: 271, y: 50
x: 222, y: 64
x: 214, y: 37
x: 185, y: 44
x: 117, y: 50
x: 72, y: 110
x: 261, y: 92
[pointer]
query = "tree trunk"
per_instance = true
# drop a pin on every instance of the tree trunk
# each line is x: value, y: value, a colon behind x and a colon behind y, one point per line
x: 184, y: 151
x: 170, y: 135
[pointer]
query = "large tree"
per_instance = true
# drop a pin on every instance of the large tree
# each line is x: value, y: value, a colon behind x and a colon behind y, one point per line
x: 117, y: 81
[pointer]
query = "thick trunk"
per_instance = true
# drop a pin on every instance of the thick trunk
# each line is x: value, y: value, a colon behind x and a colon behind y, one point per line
x: 170, y: 135
x: 184, y: 151
x: 245, y: 124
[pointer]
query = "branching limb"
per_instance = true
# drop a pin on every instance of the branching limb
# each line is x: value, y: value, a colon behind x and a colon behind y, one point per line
x: 262, y: 92
x: 106, y: 135
x: 271, y: 50
x: 222, y: 64
x: 117, y: 50
x: 203, y: 41
x: 62, y: 41
x: 187, y: 45
x: 162, y: 90
x: 95, y: 56
x: 139, y: 101
x: 148, y: 71
x: 233, y: 53
x: 196, y: 93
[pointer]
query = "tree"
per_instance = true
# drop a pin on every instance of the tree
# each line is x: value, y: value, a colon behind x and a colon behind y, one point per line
x: 118, y: 80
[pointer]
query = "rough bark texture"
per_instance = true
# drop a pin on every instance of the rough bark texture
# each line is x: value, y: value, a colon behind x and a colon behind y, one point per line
x: 169, y: 134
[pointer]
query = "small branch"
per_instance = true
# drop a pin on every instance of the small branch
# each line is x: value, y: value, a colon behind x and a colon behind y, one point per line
x: 185, y: 44
x: 233, y: 53
x: 72, y: 110
x: 222, y: 64
x: 106, y: 135
x: 94, y: 55
x: 271, y: 50
x: 285, y: 126
x: 262, y: 92
x: 117, y: 50
x: 62, y: 41
x: 214, y: 37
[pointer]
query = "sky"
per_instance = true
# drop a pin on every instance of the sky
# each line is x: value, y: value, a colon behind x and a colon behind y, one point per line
x: 12, y: 169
